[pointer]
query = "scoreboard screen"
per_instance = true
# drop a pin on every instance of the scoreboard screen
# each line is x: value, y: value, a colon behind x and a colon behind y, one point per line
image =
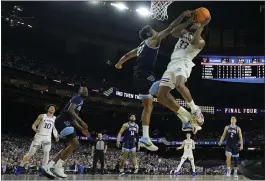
x: 233, y: 69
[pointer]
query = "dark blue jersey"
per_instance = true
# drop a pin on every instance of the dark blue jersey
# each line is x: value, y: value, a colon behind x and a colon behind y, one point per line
x: 146, y: 57
x: 74, y: 100
x: 131, y: 132
x: 232, y: 136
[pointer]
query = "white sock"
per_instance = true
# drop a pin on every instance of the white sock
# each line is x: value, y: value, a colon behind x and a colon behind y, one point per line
x: 184, y: 112
x: 145, y: 131
x: 121, y: 170
x: 183, y: 118
x: 192, y: 106
x: 51, y: 163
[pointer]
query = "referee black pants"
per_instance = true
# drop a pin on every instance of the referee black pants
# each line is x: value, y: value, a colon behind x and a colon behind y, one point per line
x: 99, y: 155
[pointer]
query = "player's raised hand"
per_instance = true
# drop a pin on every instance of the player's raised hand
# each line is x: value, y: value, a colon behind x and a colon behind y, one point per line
x: 118, y: 66
x: 187, y: 13
x: 220, y: 143
x: 206, y: 21
x: 118, y: 144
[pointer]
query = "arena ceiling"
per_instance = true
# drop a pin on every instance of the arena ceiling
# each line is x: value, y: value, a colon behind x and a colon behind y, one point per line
x: 86, y: 19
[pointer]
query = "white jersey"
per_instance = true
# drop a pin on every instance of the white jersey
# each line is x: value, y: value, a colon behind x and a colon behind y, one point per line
x: 46, y: 125
x: 184, y: 51
x: 188, y: 144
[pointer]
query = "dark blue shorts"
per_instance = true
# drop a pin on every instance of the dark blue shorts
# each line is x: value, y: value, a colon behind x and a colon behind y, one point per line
x: 129, y: 146
x: 142, y: 82
x: 65, y: 128
x: 232, y: 150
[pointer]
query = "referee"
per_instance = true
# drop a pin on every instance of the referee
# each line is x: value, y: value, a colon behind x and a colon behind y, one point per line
x: 99, y: 149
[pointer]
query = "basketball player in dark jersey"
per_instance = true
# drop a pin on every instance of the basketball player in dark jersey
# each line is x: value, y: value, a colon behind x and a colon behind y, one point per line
x: 233, y: 135
x: 144, y: 77
x: 130, y: 131
x: 66, y: 124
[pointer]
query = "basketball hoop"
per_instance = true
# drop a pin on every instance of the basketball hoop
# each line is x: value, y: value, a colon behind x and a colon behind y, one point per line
x: 159, y: 10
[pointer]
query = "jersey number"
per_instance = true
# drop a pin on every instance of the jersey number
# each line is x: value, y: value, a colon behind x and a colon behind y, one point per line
x: 183, y: 44
x: 78, y: 108
x: 47, y: 125
x: 188, y: 146
x: 140, y: 49
x: 132, y: 133
x: 232, y: 134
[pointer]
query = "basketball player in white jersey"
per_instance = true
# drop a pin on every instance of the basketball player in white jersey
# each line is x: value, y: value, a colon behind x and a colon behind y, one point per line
x: 43, y: 126
x: 190, y: 43
x: 188, y: 145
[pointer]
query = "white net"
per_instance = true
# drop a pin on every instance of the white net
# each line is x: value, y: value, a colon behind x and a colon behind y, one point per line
x: 159, y: 10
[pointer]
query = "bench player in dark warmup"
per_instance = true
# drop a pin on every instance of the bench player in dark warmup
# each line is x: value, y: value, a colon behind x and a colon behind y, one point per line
x: 130, y: 130
x: 233, y: 135
x: 66, y: 123
x: 144, y: 77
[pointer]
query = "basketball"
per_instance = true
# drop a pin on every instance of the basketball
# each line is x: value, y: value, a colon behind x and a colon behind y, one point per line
x: 201, y: 14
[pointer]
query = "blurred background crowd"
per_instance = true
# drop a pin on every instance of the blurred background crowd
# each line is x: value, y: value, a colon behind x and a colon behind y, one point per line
x: 81, y: 161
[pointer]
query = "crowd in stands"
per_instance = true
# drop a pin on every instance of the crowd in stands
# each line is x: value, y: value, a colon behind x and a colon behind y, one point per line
x: 257, y: 134
x: 14, y: 147
x: 19, y: 61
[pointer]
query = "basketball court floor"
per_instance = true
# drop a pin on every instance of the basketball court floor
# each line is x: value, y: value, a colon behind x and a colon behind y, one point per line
x: 129, y: 177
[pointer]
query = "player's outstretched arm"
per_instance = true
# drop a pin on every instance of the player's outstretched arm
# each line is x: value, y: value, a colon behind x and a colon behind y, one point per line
x: 123, y: 128
x: 126, y: 57
x: 180, y: 29
x: 37, y: 122
x: 223, y: 136
x: 163, y: 34
x: 197, y: 40
x: 240, y: 138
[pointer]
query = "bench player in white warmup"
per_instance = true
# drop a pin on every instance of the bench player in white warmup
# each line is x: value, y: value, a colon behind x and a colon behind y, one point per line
x: 43, y: 126
x: 188, y: 145
x: 190, y: 43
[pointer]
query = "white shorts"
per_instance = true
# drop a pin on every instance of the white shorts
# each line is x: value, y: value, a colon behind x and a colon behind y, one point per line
x: 41, y: 141
x: 179, y: 68
x: 187, y: 156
